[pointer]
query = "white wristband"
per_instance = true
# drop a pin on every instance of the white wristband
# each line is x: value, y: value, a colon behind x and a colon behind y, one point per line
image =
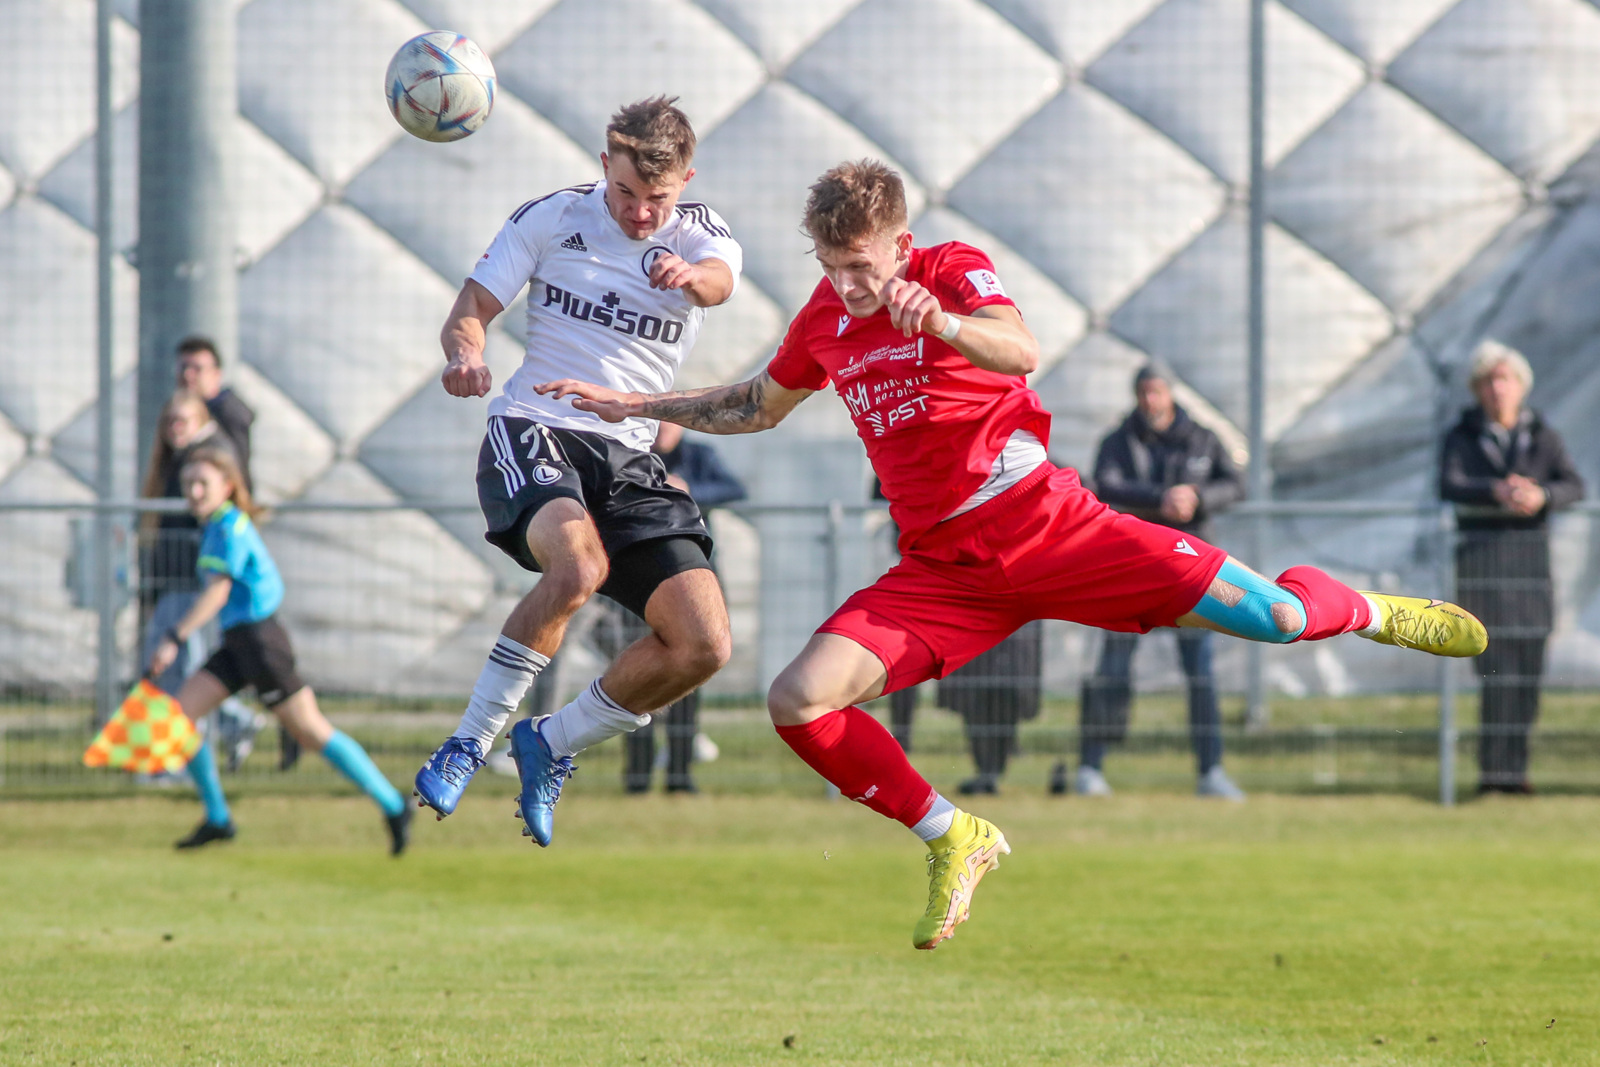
x: 952, y: 326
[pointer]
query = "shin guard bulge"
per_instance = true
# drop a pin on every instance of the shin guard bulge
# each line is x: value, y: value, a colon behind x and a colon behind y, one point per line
x: 852, y: 750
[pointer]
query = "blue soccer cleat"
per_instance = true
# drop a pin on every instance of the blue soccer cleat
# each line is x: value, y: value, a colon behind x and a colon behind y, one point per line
x: 443, y: 779
x: 542, y: 777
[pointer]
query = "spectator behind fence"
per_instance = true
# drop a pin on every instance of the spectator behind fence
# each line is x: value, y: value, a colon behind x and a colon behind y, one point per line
x: 992, y: 694
x: 1162, y: 466
x: 200, y: 371
x: 695, y: 468
x: 1506, y: 469
x: 169, y: 548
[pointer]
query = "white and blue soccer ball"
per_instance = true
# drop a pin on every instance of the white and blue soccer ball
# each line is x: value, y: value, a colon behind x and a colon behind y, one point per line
x: 440, y: 86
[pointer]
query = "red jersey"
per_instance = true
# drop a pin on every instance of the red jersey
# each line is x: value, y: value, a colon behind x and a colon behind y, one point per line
x: 932, y: 422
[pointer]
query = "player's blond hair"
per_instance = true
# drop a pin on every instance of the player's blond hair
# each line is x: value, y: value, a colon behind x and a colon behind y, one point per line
x: 857, y: 200
x: 655, y: 136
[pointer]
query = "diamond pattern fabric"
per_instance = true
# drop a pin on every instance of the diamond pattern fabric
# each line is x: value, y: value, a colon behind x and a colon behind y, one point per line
x: 1095, y: 148
x: 938, y: 126
x: 1105, y: 239
x: 1522, y: 80
x: 1383, y: 166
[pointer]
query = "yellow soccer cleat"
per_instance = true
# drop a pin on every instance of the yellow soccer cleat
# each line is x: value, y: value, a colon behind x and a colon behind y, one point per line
x: 957, y: 862
x: 1428, y: 626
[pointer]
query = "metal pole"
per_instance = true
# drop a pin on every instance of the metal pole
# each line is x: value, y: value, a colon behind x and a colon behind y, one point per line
x: 105, y: 692
x: 1447, y: 676
x: 1260, y: 480
x: 188, y: 101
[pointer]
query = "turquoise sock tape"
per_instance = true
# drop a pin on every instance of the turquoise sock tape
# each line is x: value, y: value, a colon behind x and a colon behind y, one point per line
x: 1252, y: 617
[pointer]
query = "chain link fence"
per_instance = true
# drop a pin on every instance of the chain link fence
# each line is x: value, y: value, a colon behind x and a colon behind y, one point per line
x: 393, y: 640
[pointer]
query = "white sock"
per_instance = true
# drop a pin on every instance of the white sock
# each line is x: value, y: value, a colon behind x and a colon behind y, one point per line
x: 509, y: 671
x: 1375, y: 625
x: 937, y: 822
x: 588, y: 720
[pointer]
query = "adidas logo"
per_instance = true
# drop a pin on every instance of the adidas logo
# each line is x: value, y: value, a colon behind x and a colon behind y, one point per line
x: 1184, y: 547
x: 575, y: 242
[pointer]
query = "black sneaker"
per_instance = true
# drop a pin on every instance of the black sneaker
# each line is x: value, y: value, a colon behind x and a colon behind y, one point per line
x: 288, y: 749
x: 983, y: 785
x: 206, y: 833
x: 1060, y: 780
x: 681, y: 784
x: 399, y: 830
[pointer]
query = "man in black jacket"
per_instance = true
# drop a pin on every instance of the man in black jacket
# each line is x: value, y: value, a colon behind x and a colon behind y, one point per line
x: 1506, y: 470
x: 1162, y: 466
x: 695, y: 468
x: 200, y: 371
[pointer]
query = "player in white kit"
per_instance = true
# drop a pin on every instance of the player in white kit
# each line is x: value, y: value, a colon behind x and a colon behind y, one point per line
x: 620, y: 274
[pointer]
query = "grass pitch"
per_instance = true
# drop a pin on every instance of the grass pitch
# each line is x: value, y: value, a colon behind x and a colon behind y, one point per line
x: 745, y: 930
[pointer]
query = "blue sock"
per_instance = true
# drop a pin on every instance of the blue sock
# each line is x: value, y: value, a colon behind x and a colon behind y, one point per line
x: 352, y: 761
x: 203, y: 769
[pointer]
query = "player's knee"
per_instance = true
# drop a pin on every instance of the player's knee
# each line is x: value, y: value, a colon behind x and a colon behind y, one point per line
x: 572, y: 582
x: 1289, y: 619
x: 706, y: 653
x: 787, y: 701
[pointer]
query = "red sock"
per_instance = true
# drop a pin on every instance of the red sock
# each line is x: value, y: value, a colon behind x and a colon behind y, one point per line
x: 852, y: 750
x: 1332, y: 608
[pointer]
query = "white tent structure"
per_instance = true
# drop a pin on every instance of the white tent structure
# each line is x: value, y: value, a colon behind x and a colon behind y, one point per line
x: 1433, y: 170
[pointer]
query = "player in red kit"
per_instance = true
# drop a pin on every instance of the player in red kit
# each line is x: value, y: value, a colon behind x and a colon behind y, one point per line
x: 929, y: 354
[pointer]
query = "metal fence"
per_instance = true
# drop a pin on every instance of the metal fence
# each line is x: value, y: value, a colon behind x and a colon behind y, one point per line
x: 392, y: 612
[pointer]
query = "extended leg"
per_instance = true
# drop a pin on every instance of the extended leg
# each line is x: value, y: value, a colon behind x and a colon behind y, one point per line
x: 812, y: 706
x: 563, y: 540
x: 1305, y: 604
x: 200, y: 696
x: 301, y: 716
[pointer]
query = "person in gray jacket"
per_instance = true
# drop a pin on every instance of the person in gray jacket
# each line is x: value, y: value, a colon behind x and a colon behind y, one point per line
x: 1162, y: 466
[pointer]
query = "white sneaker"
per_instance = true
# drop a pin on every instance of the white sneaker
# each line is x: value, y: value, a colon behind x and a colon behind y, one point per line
x: 1216, y: 783
x: 500, y: 762
x: 705, y: 749
x: 1091, y: 783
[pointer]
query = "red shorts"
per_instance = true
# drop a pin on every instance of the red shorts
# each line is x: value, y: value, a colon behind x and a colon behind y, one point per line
x: 1044, y: 549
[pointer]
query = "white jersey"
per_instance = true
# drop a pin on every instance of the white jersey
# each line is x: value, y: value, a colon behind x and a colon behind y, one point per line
x: 591, y: 312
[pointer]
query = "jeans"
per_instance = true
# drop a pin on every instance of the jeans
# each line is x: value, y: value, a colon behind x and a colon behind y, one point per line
x: 1114, y: 687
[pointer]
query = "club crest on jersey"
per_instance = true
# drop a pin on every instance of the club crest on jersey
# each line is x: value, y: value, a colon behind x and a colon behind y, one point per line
x: 575, y: 242
x: 609, y: 312
x: 545, y: 474
x: 651, y: 254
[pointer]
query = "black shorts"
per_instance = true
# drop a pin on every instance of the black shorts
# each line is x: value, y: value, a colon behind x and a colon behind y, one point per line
x: 258, y: 654
x: 649, y: 529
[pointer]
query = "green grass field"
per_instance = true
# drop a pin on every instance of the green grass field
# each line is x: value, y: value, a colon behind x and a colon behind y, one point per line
x: 750, y: 930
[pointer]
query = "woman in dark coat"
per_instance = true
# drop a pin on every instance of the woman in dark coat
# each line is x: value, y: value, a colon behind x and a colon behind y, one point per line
x: 1506, y: 470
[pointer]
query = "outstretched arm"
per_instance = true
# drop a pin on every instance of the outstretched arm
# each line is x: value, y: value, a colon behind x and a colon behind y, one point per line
x: 463, y: 338
x: 757, y: 404
x: 204, y: 609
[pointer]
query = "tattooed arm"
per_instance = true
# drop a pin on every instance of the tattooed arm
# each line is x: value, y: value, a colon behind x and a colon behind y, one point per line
x: 758, y: 404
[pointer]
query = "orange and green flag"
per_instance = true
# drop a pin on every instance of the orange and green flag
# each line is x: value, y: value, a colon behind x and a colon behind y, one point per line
x: 149, y: 733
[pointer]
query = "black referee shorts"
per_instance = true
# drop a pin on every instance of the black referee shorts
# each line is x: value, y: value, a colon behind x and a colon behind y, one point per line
x: 650, y: 530
x: 258, y: 654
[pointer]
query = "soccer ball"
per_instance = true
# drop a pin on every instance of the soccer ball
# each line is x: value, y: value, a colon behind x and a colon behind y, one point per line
x: 440, y: 86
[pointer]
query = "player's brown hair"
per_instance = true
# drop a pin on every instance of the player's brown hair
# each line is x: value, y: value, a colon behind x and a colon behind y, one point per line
x: 655, y: 136
x: 224, y: 462
x: 854, y: 201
